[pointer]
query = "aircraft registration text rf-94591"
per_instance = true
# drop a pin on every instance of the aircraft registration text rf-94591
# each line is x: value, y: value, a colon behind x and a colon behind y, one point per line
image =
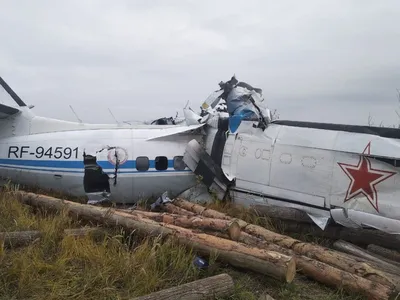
x: 40, y: 151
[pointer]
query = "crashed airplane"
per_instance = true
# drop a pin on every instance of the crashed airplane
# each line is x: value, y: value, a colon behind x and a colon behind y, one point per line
x: 105, y: 162
x: 344, y: 173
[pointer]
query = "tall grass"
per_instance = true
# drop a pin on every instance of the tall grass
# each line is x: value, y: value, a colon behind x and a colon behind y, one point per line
x: 65, y: 267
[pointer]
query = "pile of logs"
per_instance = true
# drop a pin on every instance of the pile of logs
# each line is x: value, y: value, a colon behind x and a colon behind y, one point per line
x: 249, y: 246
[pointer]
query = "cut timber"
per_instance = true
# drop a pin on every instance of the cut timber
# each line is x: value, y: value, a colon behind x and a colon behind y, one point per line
x: 335, y: 277
x: 334, y: 258
x: 173, y: 209
x: 16, y: 239
x: 359, y: 252
x: 327, y: 274
x: 203, y: 211
x: 277, y: 265
x: 359, y: 236
x: 270, y: 263
x: 273, y: 264
x: 387, y: 253
x: 229, y: 226
x: 91, y: 213
x: 208, y: 288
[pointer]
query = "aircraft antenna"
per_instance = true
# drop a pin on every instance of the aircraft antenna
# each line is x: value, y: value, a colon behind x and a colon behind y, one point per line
x: 80, y: 121
x: 113, y: 116
x: 10, y: 91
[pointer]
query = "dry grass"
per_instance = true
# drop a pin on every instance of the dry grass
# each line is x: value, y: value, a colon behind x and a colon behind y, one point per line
x: 120, y: 266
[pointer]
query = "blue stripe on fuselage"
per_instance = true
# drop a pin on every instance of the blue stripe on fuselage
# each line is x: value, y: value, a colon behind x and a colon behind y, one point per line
x: 77, y: 165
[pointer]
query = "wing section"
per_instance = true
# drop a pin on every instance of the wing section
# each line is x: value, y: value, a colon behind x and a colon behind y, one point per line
x: 165, y: 132
x: 6, y: 111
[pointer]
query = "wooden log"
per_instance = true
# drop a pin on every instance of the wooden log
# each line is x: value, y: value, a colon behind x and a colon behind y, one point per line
x: 387, y: 253
x: 354, y: 235
x: 203, y: 211
x: 279, y: 266
x: 16, y: 239
x: 357, y: 236
x: 326, y: 274
x: 214, y: 287
x: 101, y: 215
x: 353, y: 265
x: 337, y: 278
x: 276, y: 265
x: 173, y: 209
x: 270, y: 263
x: 336, y: 259
x: 359, y: 252
x: 186, y: 221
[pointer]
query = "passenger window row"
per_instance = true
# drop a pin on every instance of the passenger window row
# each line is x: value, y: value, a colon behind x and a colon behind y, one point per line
x: 160, y: 163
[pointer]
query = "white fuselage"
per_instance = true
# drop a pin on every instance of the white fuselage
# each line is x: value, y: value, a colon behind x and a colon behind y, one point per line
x: 49, y: 154
x: 318, y: 171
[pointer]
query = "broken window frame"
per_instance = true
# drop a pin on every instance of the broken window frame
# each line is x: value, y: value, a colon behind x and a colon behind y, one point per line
x: 144, y: 166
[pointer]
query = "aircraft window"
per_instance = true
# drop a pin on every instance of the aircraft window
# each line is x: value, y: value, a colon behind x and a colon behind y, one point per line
x: 161, y: 163
x: 179, y: 164
x: 142, y: 163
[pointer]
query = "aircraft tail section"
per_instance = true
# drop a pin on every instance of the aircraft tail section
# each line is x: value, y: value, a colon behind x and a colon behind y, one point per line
x: 14, y: 120
x: 10, y: 91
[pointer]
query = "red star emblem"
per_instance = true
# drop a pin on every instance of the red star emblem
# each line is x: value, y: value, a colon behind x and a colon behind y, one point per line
x: 364, y: 178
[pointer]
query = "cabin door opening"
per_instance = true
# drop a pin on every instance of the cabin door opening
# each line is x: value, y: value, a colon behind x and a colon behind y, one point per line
x: 95, y: 181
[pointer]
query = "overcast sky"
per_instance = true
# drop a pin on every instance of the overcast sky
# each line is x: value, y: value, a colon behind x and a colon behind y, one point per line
x: 331, y: 61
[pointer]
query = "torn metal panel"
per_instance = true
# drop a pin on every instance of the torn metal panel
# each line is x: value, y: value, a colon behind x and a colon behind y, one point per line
x: 198, y: 193
x: 164, y: 121
x: 162, y: 200
x: 201, y: 163
x: 243, y: 103
x: 249, y: 198
x: 320, y: 221
x: 354, y: 218
x: 191, y: 118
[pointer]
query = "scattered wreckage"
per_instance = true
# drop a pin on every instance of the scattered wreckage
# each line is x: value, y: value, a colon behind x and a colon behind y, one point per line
x: 330, y: 171
x: 345, y: 173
